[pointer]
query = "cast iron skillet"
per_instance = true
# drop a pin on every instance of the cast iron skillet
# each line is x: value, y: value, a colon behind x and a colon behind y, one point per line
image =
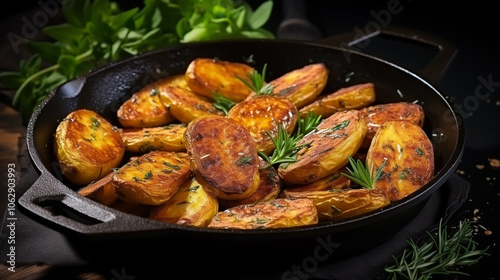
x: 104, y: 90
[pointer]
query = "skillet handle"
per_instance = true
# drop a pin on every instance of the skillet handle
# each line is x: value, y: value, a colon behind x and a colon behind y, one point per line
x: 433, y: 72
x: 51, y: 200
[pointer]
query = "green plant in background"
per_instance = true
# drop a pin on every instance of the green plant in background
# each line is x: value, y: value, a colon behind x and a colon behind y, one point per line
x: 98, y: 32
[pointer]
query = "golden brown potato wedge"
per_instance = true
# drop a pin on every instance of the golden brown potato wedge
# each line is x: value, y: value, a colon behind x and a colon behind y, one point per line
x: 262, y: 115
x: 343, y: 204
x: 152, y: 178
x: 335, y: 181
x: 223, y: 156
x: 302, y: 85
x: 186, y: 106
x: 407, y: 156
x: 140, y: 210
x: 353, y: 97
x: 165, y: 138
x: 191, y: 205
x: 145, y: 109
x: 268, y: 189
x: 205, y: 76
x: 87, y: 146
x: 377, y: 115
x: 101, y: 191
x: 278, y: 213
x: 335, y: 138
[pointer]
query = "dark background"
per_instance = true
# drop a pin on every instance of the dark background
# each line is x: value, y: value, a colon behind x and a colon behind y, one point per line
x: 472, y: 26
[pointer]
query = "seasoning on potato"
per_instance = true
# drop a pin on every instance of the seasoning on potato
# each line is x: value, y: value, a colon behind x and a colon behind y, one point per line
x: 152, y: 178
x: 191, y: 205
x: 205, y: 76
x: 262, y: 115
x: 329, y: 146
x: 223, y: 156
x: 87, y: 146
x: 277, y: 213
x: 407, y: 156
x: 349, y: 98
x: 164, y: 138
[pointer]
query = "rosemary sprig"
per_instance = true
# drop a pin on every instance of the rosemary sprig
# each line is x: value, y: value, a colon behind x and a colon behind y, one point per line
x: 361, y: 174
x: 286, y: 145
x: 257, y: 82
x: 440, y: 255
x: 223, y: 103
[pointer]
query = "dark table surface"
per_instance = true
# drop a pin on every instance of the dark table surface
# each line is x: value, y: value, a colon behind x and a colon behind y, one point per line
x: 472, y: 79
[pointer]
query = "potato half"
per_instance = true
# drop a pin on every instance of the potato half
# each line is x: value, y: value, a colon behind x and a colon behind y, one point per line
x: 278, y: 213
x: 302, y: 85
x: 329, y: 146
x: 101, y: 191
x: 191, y: 205
x: 342, y: 204
x: 145, y: 109
x: 205, y: 76
x: 407, y: 156
x: 152, y: 178
x: 87, y: 146
x: 185, y: 105
x: 223, y: 156
x: 353, y: 97
x: 262, y: 115
x: 165, y: 138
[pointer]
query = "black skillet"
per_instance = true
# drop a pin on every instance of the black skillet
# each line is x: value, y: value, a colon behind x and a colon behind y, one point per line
x: 91, y: 226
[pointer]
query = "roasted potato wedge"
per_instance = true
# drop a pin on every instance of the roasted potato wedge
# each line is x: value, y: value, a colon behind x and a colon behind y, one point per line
x: 185, y: 105
x: 87, y: 147
x: 278, y: 213
x: 140, y: 210
x: 407, y: 157
x: 145, y: 109
x: 342, y: 204
x: 329, y: 146
x: 191, y: 205
x: 268, y: 189
x: 377, y: 115
x: 262, y: 115
x: 353, y: 97
x: 223, y: 156
x: 302, y: 85
x: 101, y: 191
x: 165, y: 138
x: 205, y: 76
x: 152, y: 178
x: 335, y: 181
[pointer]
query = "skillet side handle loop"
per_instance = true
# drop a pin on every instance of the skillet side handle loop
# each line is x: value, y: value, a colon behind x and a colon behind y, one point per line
x: 436, y: 68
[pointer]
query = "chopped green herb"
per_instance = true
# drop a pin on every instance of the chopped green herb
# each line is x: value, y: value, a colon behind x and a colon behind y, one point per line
x: 153, y: 92
x: 148, y: 175
x: 95, y: 123
x: 340, y: 125
x: 245, y: 160
x: 420, y: 152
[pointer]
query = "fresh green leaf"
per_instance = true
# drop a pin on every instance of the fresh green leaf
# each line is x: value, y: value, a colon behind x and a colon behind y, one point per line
x: 261, y: 15
x: 360, y: 173
x: 47, y: 51
x: 64, y: 33
x: 223, y: 103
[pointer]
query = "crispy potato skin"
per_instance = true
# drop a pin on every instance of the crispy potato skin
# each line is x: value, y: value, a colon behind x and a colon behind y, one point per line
x: 377, y: 115
x: 408, y: 155
x: 206, y: 75
x: 302, y: 85
x: 335, y: 138
x: 165, y: 138
x: 152, y: 178
x: 87, y: 147
x: 263, y: 114
x: 191, y: 205
x: 335, y: 205
x: 268, y: 189
x: 185, y: 105
x: 101, y: 191
x: 278, y: 213
x: 349, y: 98
x: 224, y: 156
x: 145, y: 109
